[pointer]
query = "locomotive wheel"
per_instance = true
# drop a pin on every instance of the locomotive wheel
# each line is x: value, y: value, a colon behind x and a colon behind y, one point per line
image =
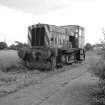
x: 53, y: 63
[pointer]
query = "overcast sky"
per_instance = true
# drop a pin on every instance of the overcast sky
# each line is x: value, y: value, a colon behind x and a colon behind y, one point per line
x: 17, y: 15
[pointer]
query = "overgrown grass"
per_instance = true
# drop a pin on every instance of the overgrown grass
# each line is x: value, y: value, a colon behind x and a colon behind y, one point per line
x: 13, y: 68
x: 97, y: 68
x: 98, y: 95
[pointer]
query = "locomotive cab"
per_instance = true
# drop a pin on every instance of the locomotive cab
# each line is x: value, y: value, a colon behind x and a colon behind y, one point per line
x: 74, y: 41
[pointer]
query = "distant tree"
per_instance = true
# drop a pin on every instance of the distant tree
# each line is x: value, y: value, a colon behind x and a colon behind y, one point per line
x: 18, y: 45
x: 88, y: 47
x: 3, y: 45
x: 13, y: 47
x: 103, y: 41
x: 25, y: 45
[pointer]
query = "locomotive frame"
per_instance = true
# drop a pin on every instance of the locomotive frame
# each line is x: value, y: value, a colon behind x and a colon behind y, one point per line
x: 51, y: 46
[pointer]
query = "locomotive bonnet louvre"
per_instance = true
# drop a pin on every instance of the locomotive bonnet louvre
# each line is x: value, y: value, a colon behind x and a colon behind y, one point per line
x: 49, y: 44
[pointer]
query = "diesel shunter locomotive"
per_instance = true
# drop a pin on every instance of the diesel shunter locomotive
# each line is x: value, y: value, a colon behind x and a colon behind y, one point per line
x: 51, y: 46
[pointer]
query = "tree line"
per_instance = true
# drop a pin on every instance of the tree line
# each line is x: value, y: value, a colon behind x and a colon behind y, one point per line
x: 14, y: 46
x: 17, y: 45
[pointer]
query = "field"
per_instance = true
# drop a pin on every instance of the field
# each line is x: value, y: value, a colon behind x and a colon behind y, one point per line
x: 8, y: 58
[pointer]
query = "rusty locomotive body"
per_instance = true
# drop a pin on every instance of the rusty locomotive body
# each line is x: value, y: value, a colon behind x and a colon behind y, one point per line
x: 51, y: 46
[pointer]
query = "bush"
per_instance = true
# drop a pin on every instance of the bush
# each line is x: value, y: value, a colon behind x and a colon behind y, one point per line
x: 88, y: 47
x: 13, y: 47
x: 98, y: 94
x: 98, y: 69
x: 13, y: 68
x: 18, y: 45
x: 3, y: 45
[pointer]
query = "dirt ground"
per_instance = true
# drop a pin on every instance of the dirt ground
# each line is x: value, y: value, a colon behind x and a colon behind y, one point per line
x: 53, y: 88
x: 75, y: 93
